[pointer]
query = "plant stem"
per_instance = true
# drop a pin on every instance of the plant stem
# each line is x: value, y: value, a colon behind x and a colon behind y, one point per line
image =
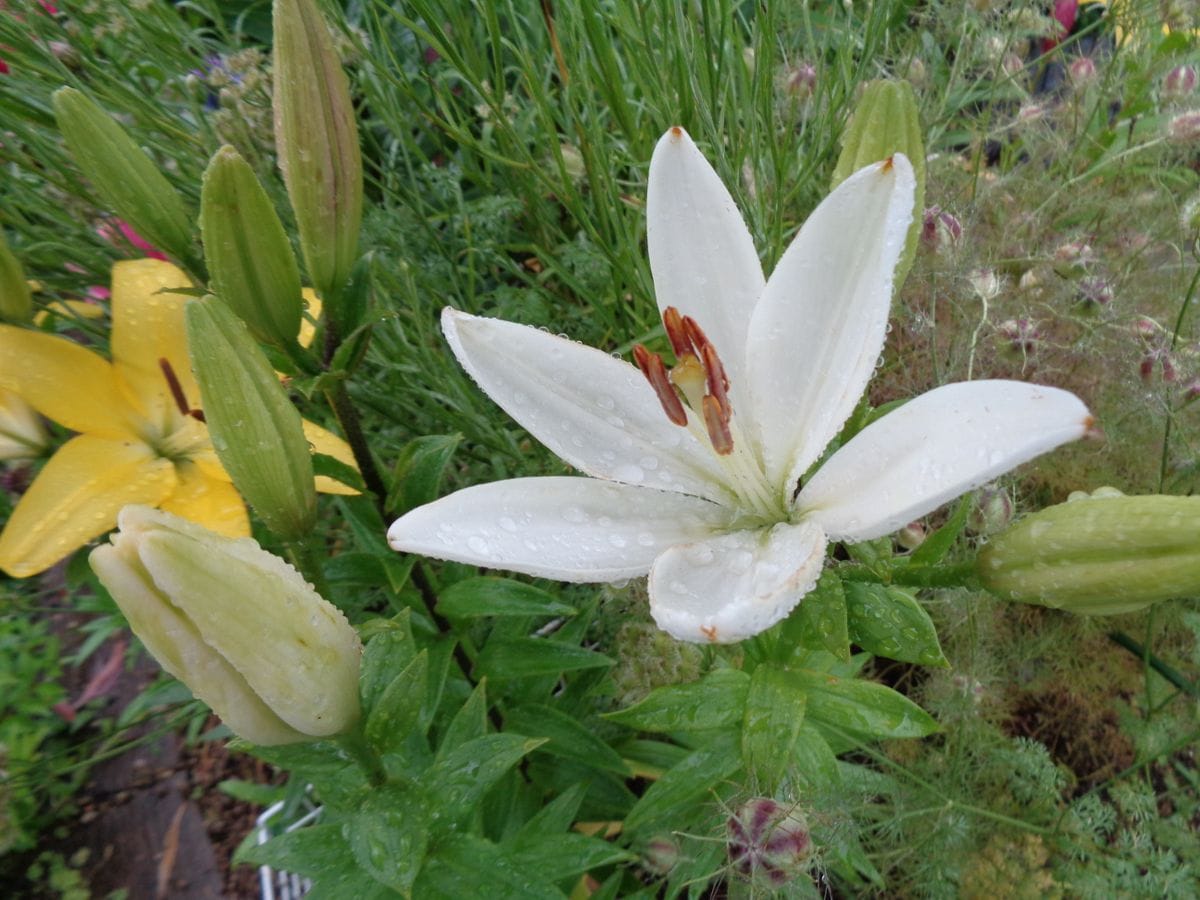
x: 1121, y: 639
x: 958, y: 575
x: 354, y: 742
x: 307, y: 563
x: 347, y: 416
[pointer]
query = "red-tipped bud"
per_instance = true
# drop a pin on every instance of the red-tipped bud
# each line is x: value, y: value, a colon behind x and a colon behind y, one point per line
x: 769, y: 843
x: 1180, y: 82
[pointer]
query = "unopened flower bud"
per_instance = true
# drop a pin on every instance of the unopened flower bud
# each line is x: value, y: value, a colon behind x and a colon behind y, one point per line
x: 769, y: 843
x: 885, y: 122
x: 1012, y: 65
x: 1146, y: 328
x: 316, y: 137
x: 123, y: 175
x: 1189, y: 215
x: 1098, y: 556
x: 993, y: 511
x: 249, y: 257
x: 238, y: 626
x: 986, y: 283
x: 1184, y: 128
x: 1018, y: 337
x: 255, y: 429
x: 1072, y: 259
x: 1081, y: 71
x: 22, y: 435
x: 1179, y: 82
x: 911, y: 536
x: 801, y: 81
x: 16, y: 303
x: 661, y: 855
x: 573, y: 162
x: 1094, y: 293
x: 940, y: 230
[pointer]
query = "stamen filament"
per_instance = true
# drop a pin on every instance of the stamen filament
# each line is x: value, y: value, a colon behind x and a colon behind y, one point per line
x: 174, y: 386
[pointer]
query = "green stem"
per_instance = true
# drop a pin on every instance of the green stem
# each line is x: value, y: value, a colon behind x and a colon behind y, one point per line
x: 302, y: 555
x: 1121, y: 639
x: 354, y: 742
x: 957, y: 575
x: 347, y: 416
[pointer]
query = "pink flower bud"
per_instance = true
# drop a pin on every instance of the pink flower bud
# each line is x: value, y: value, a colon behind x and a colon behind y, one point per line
x: 1019, y: 337
x: 1185, y: 127
x: 1094, y: 293
x: 993, y: 511
x: 1180, y: 82
x: 801, y: 81
x: 661, y: 855
x: 940, y: 230
x: 911, y: 536
x: 1082, y: 70
x: 768, y: 842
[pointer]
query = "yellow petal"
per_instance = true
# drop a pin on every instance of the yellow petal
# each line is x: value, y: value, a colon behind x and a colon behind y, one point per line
x: 69, y: 310
x: 312, y: 307
x: 213, y: 503
x: 329, y: 444
x: 210, y: 464
x: 148, y: 326
x: 77, y: 496
x: 65, y: 382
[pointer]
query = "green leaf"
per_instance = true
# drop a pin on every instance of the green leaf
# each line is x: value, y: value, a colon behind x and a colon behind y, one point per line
x: 307, y: 851
x: 888, y: 621
x: 458, y: 781
x: 774, y: 713
x: 938, y: 544
x: 384, y: 654
x: 566, y: 735
x: 317, y: 761
x: 527, y: 657
x: 469, y: 722
x: 813, y: 759
x: 863, y: 707
x: 417, y: 476
x: 553, y: 818
x: 389, y: 836
x: 819, y: 621
x: 491, y: 596
x: 398, y: 709
x: 715, y: 701
x: 251, y: 792
x: 455, y: 870
x: 566, y: 855
x: 695, y: 774
x: 334, y: 468
x: 355, y: 569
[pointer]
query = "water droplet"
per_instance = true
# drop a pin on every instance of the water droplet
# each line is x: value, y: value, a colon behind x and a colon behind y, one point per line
x: 478, y: 545
x: 645, y: 539
x: 629, y: 473
x: 507, y: 524
x: 575, y: 514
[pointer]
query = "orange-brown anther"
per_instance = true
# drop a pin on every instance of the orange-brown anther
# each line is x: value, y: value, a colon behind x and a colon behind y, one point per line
x: 677, y: 334
x: 716, y: 420
x: 714, y: 373
x: 695, y: 333
x: 652, y: 367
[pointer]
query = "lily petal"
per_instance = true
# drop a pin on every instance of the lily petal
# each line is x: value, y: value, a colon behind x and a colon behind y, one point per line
x: 569, y: 529
x: 22, y: 435
x: 148, y: 326
x: 77, y: 496
x: 933, y: 449
x: 65, y: 382
x: 733, y: 586
x: 213, y: 503
x: 596, y: 412
x: 822, y: 319
x: 702, y: 256
x: 329, y: 444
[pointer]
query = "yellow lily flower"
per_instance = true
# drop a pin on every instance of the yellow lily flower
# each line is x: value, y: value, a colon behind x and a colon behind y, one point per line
x: 142, y: 437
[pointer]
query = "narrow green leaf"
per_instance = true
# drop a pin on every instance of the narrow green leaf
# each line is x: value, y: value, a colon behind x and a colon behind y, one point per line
x: 553, y: 818
x: 397, y: 711
x: 489, y: 595
x: 864, y: 707
x: 774, y: 714
x: 458, y: 781
x: 566, y: 735
x: 417, y: 476
x: 695, y: 774
x: 889, y: 621
x: 309, y: 851
x: 715, y: 701
x: 938, y: 544
x: 527, y: 657
x: 454, y: 871
x: 469, y: 722
x: 384, y: 654
x: 819, y: 621
x: 389, y: 836
x: 567, y: 855
x: 813, y: 759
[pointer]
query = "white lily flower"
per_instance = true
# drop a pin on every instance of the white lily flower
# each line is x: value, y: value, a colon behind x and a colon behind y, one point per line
x: 694, y: 473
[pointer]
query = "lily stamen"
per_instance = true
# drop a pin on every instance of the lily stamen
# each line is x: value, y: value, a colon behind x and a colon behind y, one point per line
x: 716, y: 420
x: 681, y: 344
x: 177, y: 393
x: 655, y: 371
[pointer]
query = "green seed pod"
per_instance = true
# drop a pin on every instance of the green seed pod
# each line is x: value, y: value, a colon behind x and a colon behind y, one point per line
x: 1098, y: 555
x: 884, y: 122
x: 240, y: 627
x: 316, y: 138
x: 250, y: 261
x: 16, y: 303
x: 123, y: 174
x: 255, y: 429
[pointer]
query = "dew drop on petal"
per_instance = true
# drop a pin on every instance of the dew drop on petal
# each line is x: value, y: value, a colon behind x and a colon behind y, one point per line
x: 478, y: 545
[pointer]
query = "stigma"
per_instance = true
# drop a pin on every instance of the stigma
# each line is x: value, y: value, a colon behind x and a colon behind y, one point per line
x: 697, y: 379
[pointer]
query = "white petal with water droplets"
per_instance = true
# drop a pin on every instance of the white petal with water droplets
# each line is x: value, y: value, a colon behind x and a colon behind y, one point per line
x: 934, y: 448
x: 701, y: 253
x: 735, y: 585
x: 596, y: 412
x: 820, y: 325
x: 570, y: 529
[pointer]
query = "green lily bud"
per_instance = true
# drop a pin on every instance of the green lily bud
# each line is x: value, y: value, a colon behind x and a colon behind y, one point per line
x: 255, y: 429
x: 16, y: 303
x: 884, y: 122
x: 316, y: 138
x: 238, y: 626
x: 1098, y: 555
x: 250, y: 261
x: 123, y: 174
